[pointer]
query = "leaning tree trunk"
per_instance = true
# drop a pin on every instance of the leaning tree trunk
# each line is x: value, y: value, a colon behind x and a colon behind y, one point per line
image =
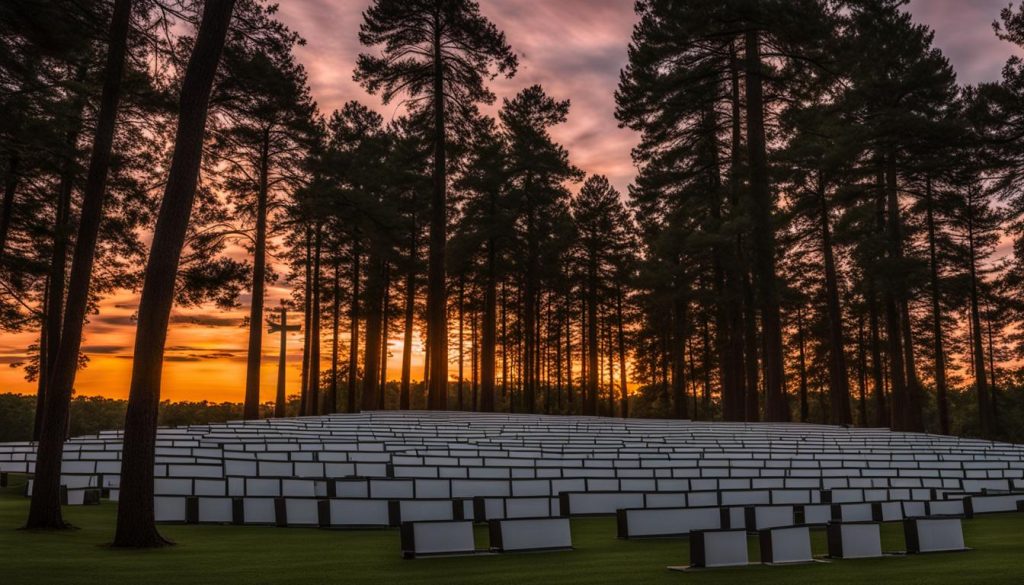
x: 135, y: 514
x: 251, y: 409
x: 776, y: 409
x: 437, y: 301
x: 45, y: 512
x: 53, y: 296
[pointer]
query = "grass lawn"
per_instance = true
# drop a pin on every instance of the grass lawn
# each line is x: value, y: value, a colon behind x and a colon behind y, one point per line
x: 224, y: 555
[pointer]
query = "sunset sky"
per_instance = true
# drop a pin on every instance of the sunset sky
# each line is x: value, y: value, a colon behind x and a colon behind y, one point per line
x: 574, y: 48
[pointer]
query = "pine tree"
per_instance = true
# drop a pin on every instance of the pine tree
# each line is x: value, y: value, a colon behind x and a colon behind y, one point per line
x: 440, y: 52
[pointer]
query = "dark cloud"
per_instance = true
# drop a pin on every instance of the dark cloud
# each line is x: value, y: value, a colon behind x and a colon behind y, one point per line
x: 114, y: 320
x: 104, y: 349
x: 206, y: 320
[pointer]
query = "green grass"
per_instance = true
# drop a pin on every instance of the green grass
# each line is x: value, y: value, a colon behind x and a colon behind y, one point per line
x: 225, y: 555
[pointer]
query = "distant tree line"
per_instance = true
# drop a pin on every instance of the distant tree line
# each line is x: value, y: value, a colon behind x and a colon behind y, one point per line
x: 825, y: 226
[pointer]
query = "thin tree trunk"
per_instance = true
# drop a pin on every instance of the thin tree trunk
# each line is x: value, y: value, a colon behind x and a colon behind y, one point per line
x: 611, y: 367
x: 251, y: 409
x: 314, y: 355
x: 45, y: 512
x: 939, y: 348
x: 384, y: 313
x: 804, y: 406
x: 332, y: 396
x: 307, y: 315
x: 624, y: 378
x: 570, y: 399
x: 877, y: 376
x: 353, y: 336
x: 985, y: 411
x: 462, y: 319
x: 374, y: 318
x: 404, y: 399
x: 839, y: 384
x: 678, y: 345
x: 592, y: 349
x: 474, y: 363
x: 751, y: 406
x: 487, y: 334
x: 135, y: 511
x: 410, y: 314
x: 862, y: 373
x: 504, y: 346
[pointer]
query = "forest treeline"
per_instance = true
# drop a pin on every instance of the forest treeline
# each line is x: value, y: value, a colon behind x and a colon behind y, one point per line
x: 825, y: 226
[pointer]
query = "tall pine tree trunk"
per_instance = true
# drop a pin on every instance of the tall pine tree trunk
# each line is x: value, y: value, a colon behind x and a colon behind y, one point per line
x: 307, y: 315
x: 332, y: 396
x: 776, y: 408
x: 839, y: 383
x: 985, y: 411
x: 488, y: 331
x: 404, y: 401
x: 353, y: 336
x: 374, y: 318
x: 382, y: 380
x: 939, y: 349
x: 591, y: 347
x: 461, y: 344
x: 624, y: 379
x: 313, y: 378
x: 135, y: 511
x: 862, y: 373
x: 251, y: 408
x: 751, y: 403
x: 678, y: 347
x: 901, y: 399
x: 882, y: 415
x: 437, y: 298
x: 45, y: 512
x: 804, y: 405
